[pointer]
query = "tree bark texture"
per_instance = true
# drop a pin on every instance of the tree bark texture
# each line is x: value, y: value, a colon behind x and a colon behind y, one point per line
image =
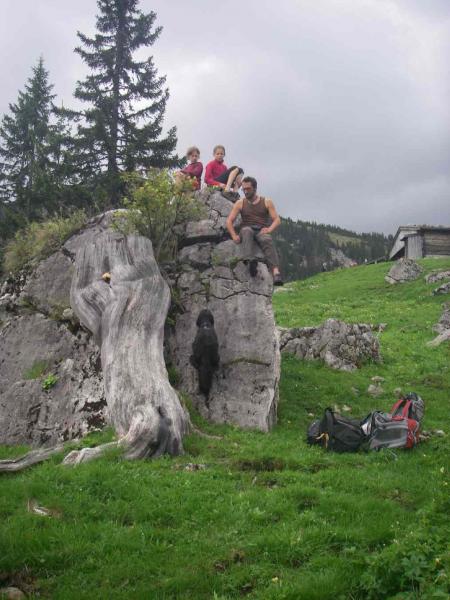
x: 127, y: 318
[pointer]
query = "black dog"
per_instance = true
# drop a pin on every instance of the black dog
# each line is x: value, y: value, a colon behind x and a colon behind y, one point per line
x: 205, y: 351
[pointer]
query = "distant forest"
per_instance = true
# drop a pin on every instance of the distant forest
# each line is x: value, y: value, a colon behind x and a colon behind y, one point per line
x: 304, y: 246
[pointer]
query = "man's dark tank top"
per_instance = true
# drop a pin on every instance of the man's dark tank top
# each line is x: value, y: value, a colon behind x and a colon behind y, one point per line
x: 255, y: 214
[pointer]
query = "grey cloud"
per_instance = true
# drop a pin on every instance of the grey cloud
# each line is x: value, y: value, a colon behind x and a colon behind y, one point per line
x: 340, y: 109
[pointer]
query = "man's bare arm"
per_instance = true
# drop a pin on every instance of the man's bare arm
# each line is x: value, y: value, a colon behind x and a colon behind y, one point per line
x: 276, y: 221
x: 230, y: 221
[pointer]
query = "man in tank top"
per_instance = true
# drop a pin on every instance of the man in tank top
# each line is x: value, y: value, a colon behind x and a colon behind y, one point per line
x: 259, y: 220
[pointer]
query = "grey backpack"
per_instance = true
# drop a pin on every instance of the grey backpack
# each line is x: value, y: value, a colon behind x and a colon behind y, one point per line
x: 397, y: 429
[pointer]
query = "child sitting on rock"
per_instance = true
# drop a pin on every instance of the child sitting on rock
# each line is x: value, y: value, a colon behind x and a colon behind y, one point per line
x: 217, y: 174
x: 193, y: 170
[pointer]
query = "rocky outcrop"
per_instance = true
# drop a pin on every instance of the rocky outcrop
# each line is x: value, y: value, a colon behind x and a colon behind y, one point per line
x: 442, y: 289
x: 403, y: 270
x: 32, y: 347
x: 436, y: 276
x: 442, y: 327
x: 444, y: 321
x: 339, y: 345
x: 39, y: 336
x: 339, y: 259
x: 210, y: 274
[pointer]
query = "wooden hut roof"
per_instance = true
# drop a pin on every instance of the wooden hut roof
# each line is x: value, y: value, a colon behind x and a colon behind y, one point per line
x: 406, y: 230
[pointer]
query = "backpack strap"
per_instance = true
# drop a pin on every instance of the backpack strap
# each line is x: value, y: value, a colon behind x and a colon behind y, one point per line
x: 405, y: 409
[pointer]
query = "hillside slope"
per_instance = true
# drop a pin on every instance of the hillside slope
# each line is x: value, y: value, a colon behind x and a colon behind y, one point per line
x: 304, y: 246
x: 254, y: 515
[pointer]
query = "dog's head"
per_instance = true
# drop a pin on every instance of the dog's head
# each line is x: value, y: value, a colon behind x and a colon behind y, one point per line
x: 205, y: 318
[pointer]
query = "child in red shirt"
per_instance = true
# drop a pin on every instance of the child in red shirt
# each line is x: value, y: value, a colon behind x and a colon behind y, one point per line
x: 193, y: 170
x: 217, y: 174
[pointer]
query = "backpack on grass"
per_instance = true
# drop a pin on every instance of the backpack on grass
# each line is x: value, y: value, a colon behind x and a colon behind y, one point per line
x: 336, y: 433
x: 397, y: 429
x: 410, y: 406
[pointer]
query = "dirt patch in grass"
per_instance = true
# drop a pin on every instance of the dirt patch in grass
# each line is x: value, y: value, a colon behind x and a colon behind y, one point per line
x: 235, y: 557
x: 23, y: 580
x: 400, y: 497
x: 260, y: 464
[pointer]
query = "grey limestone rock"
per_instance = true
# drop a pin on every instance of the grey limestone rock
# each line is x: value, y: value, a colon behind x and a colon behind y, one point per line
x: 442, y: 289
x: 339, y: 259
x: 211, y: 274
x: 403, y: 270
x: 444, y: 321
x: 375, y: 390
x: 39, y: 335
x: 437, y: 276
x: 442, y: 328
x: 48, y: 287
x: 32, y: 345
x: 340, y: 345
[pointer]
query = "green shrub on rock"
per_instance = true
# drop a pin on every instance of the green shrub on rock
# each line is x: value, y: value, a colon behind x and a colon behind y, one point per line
x: 39, y: 240
x: 157, y: 206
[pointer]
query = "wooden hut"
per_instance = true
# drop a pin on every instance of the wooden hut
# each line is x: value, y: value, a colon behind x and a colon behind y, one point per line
x: 420, y: 241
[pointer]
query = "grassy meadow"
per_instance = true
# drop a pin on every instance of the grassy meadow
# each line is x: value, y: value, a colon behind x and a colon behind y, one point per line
x: 265, y: 516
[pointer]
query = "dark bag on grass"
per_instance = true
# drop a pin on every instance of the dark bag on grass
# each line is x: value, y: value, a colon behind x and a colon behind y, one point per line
x: 335, y: 432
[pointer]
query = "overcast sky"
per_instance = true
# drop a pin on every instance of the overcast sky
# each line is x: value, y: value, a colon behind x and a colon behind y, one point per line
x: 340, y: 108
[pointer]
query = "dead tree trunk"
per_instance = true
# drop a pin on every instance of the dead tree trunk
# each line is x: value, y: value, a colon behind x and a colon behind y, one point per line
x: 126, y: 316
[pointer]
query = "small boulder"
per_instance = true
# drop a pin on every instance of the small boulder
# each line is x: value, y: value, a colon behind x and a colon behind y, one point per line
x: 437, y: 276
x: 444, y: 322
x: 375, y: 390
x: 340, y: 345
x: 11, y: 593
x: 442, y: 289
x: 403, y: 270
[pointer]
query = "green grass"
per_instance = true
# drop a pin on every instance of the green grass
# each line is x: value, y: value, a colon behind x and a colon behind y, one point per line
x: 39, y: 240
x: 341, y: 239
x: 268, y: 517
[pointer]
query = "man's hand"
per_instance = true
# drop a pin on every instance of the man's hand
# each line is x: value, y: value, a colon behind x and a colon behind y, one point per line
x: 236, y: 239
x: 265, y: 230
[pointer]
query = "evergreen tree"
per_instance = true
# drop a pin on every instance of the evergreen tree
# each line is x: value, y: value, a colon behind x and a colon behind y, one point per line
x: 121, y: 129
x: 25, y: 173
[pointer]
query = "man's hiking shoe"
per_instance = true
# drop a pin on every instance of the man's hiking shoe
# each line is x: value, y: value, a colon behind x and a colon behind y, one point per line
x: 233, y: 196
x: 277, y: 280
x: 253, y: 268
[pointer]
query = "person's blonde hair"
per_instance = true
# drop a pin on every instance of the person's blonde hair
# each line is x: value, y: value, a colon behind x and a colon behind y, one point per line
x: 192, y: 149
x: 217, y: 147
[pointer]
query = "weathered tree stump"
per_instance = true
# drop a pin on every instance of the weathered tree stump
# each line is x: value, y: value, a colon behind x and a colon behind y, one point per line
x: 126, y: 316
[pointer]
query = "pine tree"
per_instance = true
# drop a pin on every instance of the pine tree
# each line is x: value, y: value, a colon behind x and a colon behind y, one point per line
x: 121, y: 130
x: 25, y: 177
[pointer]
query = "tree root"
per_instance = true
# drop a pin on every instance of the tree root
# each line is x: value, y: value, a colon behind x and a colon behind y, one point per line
x: 32, y: 458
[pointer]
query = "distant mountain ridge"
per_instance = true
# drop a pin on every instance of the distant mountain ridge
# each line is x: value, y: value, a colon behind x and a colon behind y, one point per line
x: 304, y: 246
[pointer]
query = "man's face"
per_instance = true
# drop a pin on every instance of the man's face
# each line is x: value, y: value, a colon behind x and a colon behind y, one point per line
x: 249, y: 190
